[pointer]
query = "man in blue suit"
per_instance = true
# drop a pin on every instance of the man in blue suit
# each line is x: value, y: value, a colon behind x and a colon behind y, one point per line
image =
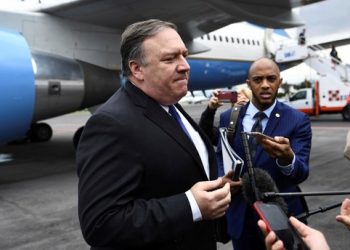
x: 285, y: 158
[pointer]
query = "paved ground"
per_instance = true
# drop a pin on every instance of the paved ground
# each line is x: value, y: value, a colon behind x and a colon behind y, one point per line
x: 38, y: 188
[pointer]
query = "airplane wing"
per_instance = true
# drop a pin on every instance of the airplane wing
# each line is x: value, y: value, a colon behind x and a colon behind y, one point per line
x: 193, y: 18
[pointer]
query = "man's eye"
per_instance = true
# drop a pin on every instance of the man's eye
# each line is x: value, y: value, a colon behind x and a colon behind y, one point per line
x: 271, y: 78
x: 168, y: 59
x: 257, y: 79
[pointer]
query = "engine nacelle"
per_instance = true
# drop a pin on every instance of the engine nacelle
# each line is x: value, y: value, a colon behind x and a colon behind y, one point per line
x: 36, y: 85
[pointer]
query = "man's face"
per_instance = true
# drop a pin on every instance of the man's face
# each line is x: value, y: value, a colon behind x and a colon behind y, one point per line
x: 164, y: 77
x: 264, y: 81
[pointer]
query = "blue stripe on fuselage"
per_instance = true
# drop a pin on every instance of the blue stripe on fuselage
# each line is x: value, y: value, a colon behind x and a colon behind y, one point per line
x: 17, y: 89
x: 211, y: 74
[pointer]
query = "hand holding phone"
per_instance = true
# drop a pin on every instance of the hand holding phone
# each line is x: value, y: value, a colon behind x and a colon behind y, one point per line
x: 276, y: 220
x: 227, y: 96
x: 260, y: 136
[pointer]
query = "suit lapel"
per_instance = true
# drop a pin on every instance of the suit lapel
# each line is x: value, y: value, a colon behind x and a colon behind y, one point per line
x: 154, y: 112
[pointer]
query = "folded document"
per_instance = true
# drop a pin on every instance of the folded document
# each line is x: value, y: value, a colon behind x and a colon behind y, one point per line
x: 231, y: 160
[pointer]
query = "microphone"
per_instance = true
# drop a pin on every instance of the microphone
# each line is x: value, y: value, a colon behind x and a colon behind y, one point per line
x: 257, y: 181
x: 319, y: 210
x: 264, y: 183
x: 292, y: 194
x: 271, y: 213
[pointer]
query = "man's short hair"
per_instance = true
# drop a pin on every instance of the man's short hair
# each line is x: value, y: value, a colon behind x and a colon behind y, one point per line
x: 133, y: 38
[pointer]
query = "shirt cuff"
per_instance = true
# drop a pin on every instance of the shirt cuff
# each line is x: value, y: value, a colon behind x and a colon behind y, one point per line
x: 287, y: 170
x: 196, y: 212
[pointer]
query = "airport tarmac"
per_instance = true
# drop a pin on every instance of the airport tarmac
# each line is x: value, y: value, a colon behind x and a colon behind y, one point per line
x: 38, y: 187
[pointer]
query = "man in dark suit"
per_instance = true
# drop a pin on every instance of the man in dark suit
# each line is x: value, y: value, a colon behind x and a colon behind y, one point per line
x: 148, y: 179
x: 285, y: 158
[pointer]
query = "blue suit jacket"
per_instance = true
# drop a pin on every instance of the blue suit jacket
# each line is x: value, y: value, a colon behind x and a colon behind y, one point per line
x: 284, y: 121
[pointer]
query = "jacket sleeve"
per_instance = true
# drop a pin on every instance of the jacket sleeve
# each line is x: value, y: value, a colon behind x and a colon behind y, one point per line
x: 206, y: 123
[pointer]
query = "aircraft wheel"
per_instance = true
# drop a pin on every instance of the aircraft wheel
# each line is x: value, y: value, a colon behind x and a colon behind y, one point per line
x: 77, y: 136
x: 346, y: 113
x: 40, y: 132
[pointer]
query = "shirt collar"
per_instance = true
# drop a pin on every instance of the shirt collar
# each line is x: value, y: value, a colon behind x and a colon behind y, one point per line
x: 252, y: 110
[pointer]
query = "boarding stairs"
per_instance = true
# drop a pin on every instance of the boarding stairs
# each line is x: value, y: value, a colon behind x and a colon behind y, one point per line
x: 315, y: 57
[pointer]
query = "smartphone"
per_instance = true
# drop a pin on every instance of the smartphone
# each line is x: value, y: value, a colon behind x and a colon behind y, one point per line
x: 227, y: 96
x: 277, y: 221
x: 260, y: 135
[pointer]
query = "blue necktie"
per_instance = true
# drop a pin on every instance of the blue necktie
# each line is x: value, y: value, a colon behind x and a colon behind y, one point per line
x: 177, y: 118
x: 257, y: 127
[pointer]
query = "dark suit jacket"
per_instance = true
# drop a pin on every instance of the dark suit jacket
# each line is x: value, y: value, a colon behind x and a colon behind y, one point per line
x: 134, y: 166
x: 284, y: 121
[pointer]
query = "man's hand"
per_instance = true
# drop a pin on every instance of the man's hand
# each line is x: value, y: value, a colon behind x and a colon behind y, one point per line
x: 234, y: 185
x: 271, y: 241
x: 278, y: 148
x: 314, y: 239
x: 214, y: 102
x: 344, y: 216
x: 212, y: 197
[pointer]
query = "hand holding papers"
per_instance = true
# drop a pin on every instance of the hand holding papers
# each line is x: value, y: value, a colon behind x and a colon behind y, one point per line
x: 231, y: 161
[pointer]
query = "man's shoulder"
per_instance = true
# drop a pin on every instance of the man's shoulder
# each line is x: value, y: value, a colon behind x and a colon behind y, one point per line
x: 289, y: 110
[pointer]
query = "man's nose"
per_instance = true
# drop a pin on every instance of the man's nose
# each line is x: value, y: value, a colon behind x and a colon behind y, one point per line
x: 183, y: 65
x: 265, y: 83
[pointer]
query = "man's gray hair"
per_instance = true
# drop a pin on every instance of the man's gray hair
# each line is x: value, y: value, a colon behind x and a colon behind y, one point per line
x: 133, y: 38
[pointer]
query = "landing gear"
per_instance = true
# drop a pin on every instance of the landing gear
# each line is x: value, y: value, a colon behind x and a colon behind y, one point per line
x: 40, y: 132
x: 346, y: 113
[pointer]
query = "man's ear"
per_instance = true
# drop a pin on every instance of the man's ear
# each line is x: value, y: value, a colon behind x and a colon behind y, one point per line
x: 281, y: 80
x: 136, y: 70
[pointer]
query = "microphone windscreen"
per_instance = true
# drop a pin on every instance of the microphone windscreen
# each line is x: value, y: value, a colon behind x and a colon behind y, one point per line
x: 264, y: 183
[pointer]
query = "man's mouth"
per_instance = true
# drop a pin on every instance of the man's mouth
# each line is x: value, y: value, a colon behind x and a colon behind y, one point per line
x: 265, y: 95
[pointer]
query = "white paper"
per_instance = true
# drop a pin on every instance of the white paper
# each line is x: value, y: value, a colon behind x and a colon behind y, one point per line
x: 231, y: 161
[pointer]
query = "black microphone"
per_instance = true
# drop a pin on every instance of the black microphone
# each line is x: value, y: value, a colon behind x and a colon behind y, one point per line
x: 292, y: 194
x: 253, y: 183
x: 264, y: 183
x: 257, y: 181
x: 319, y: 210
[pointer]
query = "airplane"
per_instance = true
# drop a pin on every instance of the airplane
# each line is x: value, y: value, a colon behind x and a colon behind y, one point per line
x: 62, y: 57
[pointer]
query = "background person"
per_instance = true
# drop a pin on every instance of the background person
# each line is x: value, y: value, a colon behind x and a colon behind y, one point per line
x: 334, y: 55
x: 302, y: 38
x: 206, y: 121
x: 286, y: 158
x: 143, y: 181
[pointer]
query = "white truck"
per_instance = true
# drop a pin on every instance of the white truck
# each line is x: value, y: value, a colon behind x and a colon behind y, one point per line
x: 328, y: 96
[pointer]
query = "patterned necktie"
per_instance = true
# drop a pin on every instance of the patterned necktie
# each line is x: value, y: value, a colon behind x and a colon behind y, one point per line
x: 177, y: 118
x: 257, y: 127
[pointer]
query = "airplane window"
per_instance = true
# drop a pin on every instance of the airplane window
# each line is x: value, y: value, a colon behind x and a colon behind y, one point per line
x: 243, y: 41
x: 214, y: 37
x: 226, y: 39
x: 208, y: 37
x: 253, y: 42
x: 248, y: 41
x: 258, y: 43
x: 220, y: 38
x: 237, y: 40
x: 232, y: 40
